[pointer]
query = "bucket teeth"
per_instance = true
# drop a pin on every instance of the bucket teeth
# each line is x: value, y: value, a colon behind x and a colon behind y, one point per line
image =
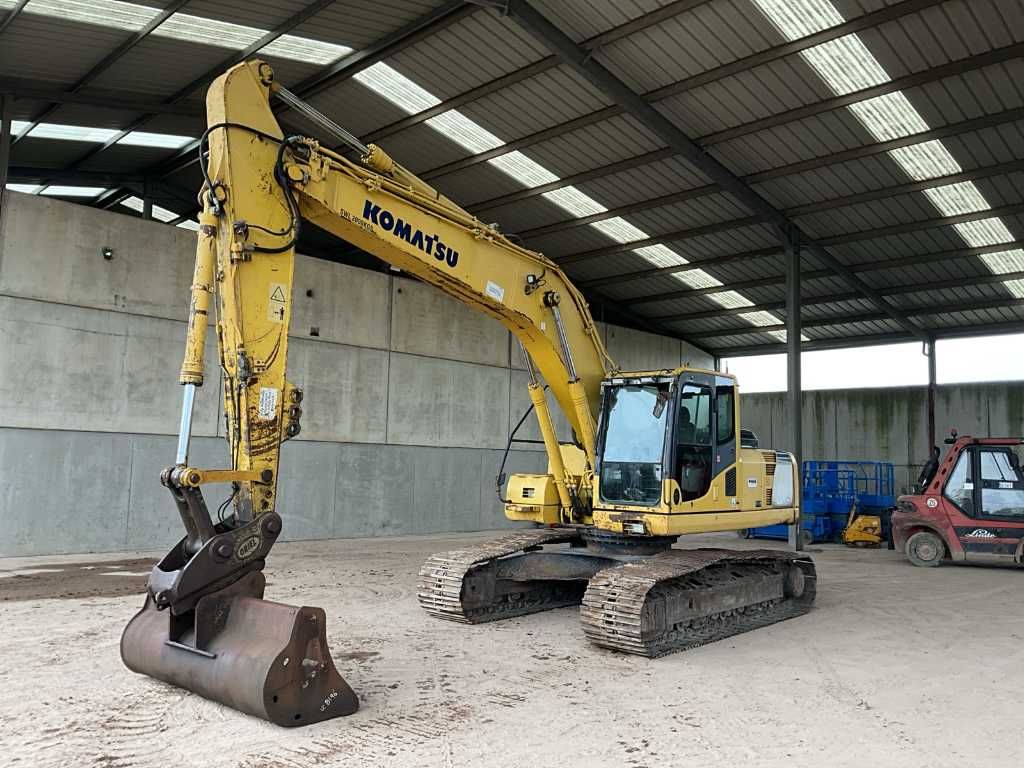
x: 266, y: 659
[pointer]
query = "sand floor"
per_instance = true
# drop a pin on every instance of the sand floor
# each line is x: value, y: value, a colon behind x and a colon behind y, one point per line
x: 895, y: 666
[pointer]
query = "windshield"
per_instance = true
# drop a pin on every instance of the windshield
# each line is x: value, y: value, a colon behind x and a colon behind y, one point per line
x: 634, y: 437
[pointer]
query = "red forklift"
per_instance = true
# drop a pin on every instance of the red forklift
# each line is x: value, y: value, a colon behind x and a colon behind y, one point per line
x: 969, y: 506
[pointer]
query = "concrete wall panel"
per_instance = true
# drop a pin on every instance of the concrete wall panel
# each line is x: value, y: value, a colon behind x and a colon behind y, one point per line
x: 63, y: 491
x: 445, y: 403
x: 374, y: 492
x: 425, y: 321
x: 446, y: 489
x: 639, y: 351
x: 349, y: 305
x: 345, y: 391
x: 52, y: 250
x: 64, y: 367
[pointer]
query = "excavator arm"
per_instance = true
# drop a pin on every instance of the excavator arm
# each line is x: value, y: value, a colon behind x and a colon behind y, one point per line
x: 260, y: 188
x: 204, y: 608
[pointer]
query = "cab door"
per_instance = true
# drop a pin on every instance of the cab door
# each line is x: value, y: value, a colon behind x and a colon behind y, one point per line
x: 724, y: 431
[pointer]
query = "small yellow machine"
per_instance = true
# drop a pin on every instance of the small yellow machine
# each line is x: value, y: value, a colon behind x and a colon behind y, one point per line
x: 653, y: 455
x: 862, y: 530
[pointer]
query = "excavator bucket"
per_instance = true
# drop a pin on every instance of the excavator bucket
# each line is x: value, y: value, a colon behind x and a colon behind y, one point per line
x: 266, y: 659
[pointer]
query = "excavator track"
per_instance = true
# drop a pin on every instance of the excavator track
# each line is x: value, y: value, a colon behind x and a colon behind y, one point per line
x: 681, y: 599
x: 449, y: 581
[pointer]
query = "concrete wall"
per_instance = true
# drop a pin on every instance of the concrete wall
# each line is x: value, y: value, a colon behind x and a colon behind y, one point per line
x: 409, y: 394
x: 887, y: 424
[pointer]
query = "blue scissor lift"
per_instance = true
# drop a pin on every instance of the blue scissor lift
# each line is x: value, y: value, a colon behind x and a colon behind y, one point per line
x: 830, y: 490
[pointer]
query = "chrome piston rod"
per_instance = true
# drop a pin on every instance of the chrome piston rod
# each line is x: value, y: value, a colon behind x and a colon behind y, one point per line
x: 188, y: 401
x: 319, y: 118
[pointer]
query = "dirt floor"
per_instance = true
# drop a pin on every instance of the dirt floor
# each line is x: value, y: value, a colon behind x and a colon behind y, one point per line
x: 895, y: 666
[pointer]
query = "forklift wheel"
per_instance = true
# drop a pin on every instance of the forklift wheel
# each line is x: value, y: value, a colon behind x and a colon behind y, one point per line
x: 925, y: 549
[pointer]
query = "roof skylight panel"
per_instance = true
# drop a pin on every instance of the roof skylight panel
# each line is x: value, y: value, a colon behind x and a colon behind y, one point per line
x: 159, y: 213
x: 580, y: 204
x: 184, y: 26
x: 467, y: 134
x: 1015, y: 287
x: 65, y: 132
x: 956, y: 199
x: 306, y: 49
x: 163, y: 140
x: 28, y: 189
x: 846, y: 65
x: 800, y: 18
x: 95, y: 135
x: 889, y: 116
x: 189, y: 224
x: 102, y: 13
x: 619, y: 230
x: 388, y: 82
x: 760, y: 318
x: 70, y: 191
x: 984, y: 232
x: 1005, y: 261
x: 410, y: 97
x: 927, y: 160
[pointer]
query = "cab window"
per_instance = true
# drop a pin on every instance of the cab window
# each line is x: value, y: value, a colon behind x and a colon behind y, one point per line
x: 1002, y: 492
x: 724, y: 413
x: 960, y: 486
x: 694, y: 422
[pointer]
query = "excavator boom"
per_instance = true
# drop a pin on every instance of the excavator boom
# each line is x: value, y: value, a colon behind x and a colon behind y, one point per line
x: 637, y: 474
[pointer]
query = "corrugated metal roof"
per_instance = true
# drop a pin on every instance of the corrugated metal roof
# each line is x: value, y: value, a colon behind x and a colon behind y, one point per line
x: 470, y: 50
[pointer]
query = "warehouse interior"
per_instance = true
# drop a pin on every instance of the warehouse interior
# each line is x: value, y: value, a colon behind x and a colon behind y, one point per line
x: 710, y: 180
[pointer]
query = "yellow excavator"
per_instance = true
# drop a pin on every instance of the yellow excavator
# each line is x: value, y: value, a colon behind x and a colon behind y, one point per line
x: 653, y: 455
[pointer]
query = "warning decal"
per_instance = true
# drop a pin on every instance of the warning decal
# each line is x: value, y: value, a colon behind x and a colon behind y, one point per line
x: 268, y: 404
x: 275, y: 304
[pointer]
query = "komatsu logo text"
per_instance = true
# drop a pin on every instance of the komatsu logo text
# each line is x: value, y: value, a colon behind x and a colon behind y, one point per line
x: 429, y: 244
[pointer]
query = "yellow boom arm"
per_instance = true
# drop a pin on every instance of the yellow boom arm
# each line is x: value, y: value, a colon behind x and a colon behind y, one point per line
x: 259, y: 189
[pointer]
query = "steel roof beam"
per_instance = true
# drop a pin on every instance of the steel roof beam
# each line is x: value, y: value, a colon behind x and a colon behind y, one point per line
x: 846, y: 342
x: 538, y: 67
x: 388, y: 45
x: 283, y: 28
x: 108, y: 61
x: 603, y: 79
x: 12, y: 14
x: 136, y: 182
x: 428, y: 24
x: 807, y: 301
x: 673, y: 89
x: 40, y: 90
x: 864, y: 317
x: 801, y: 166
x: 681, y: 235
x: 760, y: 58
x: 897, y: 262
x: 806, y: 209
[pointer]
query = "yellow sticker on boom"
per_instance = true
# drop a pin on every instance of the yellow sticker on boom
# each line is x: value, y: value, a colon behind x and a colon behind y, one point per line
x: 275, y: 304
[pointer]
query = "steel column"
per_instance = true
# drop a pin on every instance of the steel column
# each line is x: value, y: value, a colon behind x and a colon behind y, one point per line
x: 6, y: 105
x: 930, y: 352
x: 794, y: 401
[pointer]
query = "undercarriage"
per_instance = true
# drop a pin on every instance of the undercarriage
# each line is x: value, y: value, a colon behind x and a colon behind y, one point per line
x: 637, y: 595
